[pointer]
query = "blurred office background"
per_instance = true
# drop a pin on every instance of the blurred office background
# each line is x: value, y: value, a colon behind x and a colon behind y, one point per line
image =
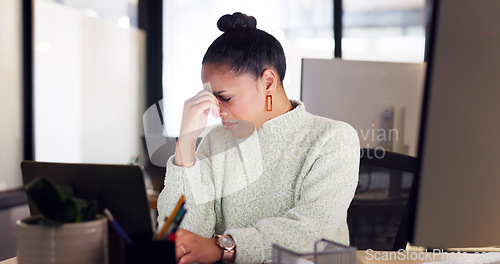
x: 97, y: 65
x: 373, y: 30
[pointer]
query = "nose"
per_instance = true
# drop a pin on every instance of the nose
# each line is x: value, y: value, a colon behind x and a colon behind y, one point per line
x: 223, y: 110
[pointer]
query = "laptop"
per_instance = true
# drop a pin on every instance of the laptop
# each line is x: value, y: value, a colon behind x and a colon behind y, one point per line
x: 120, y: 188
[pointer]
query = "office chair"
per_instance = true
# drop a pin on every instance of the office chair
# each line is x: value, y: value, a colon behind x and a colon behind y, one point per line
x: 378, y: 207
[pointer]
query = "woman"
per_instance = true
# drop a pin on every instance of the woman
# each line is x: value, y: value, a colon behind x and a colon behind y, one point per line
x: 280, y: 175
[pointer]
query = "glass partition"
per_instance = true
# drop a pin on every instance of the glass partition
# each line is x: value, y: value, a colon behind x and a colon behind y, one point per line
x: 88, y: 81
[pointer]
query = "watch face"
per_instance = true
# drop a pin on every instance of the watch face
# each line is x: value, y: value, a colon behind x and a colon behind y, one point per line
x: 226, y: 242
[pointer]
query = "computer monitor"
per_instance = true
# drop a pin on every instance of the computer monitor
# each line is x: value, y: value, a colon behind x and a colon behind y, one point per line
x: 459, y: 149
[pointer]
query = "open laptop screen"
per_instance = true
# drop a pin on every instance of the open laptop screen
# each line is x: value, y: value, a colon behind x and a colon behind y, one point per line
x: 120, y: 188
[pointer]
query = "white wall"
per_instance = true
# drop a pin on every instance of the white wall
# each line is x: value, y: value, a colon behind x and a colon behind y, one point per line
x: 113, y: 91
x: 89, y: 87
x: 57, y: 82
x: 10, y: 94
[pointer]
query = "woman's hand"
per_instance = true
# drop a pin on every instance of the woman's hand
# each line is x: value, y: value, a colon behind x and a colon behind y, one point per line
x: 194, y: 116
x: 190, y: 247
x: 194, y: 121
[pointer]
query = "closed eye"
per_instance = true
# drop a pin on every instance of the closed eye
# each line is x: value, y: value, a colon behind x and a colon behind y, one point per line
x: 225, y: 99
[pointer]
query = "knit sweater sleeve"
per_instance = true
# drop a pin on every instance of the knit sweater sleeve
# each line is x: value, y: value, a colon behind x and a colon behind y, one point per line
x: 323, y: 196
x: 197, y: 184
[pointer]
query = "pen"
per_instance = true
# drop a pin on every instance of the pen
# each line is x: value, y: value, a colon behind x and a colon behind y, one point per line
x: 161, y: 232
x: 170, y: 227
x: 117, y: 226
x: 175, y: 225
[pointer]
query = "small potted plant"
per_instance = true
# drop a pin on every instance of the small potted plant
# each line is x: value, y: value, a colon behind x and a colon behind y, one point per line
x: 67, y: 231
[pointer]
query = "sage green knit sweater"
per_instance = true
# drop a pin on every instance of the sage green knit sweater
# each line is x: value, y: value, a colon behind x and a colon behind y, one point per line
x: 289, y: 183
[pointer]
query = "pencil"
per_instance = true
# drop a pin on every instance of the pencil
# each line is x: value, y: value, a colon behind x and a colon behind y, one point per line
x: 117, y: 226
x: 161, y: 232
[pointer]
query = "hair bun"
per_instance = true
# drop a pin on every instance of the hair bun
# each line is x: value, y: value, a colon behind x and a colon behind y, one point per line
x: 236, y: 21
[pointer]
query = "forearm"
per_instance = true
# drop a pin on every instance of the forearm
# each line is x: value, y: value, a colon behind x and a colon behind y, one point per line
x: 200, y: 216
x: 185, y: 152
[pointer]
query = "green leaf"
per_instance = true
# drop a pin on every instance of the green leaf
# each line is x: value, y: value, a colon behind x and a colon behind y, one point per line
x: 65, y: 191
x: 90, y: 212
x: 69, y: 211
x: 57, y: 204
x: 45, y: 197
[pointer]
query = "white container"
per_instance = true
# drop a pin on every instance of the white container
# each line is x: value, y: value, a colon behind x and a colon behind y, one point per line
x: 75, y: 243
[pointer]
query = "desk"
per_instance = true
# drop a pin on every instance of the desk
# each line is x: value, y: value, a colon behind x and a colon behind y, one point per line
x: 362, y: 257
x: 9, y: 261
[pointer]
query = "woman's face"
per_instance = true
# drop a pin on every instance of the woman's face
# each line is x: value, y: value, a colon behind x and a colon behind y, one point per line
x: 242, y: 98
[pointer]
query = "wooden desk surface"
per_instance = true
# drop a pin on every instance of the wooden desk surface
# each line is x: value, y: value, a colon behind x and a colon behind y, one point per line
x: 365, y: 257
x: 9, y: 261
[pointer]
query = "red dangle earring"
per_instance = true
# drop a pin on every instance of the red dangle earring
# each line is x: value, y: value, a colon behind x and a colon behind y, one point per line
x: 269, y: 102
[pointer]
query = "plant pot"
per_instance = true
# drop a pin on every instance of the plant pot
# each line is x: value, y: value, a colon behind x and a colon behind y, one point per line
x: 75, y: 243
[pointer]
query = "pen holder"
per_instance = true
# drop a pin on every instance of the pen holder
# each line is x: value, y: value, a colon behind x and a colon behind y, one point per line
x: 143, y: 250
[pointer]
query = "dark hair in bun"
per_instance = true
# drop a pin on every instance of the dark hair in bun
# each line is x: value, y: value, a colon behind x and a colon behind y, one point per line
x: 235, y: 21
x: 243, y: 48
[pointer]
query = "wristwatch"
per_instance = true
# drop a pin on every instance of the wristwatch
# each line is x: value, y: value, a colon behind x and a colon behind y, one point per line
x: 227, y: 244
